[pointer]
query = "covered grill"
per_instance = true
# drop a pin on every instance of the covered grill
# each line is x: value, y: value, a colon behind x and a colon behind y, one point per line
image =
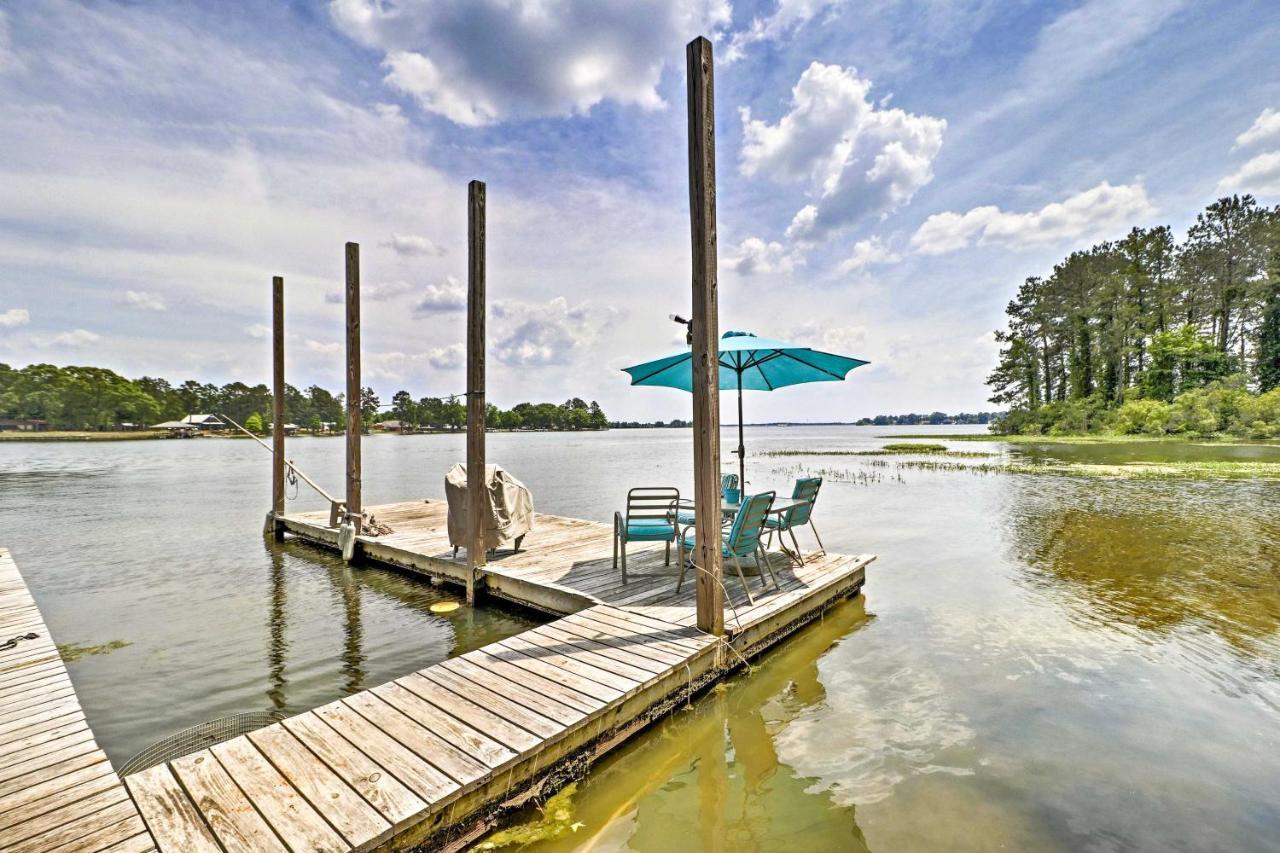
x: 510, y: 508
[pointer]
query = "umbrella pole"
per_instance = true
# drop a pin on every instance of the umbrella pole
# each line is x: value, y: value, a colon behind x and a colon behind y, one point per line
x: 742, y: 450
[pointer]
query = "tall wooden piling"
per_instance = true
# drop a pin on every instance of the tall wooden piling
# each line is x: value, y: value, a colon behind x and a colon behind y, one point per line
x: 277, y: 408
x: 706, y: 333
x: 476, y: 486
x: 355, y: 420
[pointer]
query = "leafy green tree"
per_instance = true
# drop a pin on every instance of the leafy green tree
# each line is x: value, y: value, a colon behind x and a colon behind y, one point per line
x: 253, y: 423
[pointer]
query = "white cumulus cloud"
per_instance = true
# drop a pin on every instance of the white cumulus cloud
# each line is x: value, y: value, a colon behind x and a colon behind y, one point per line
x: 1259, y: 175
x: 73, y: 339
x: 477, y: 62
x: 786, y: 18
x: 144, y: 300
x: 413, y: 246
x: 381, y: 292
x: 856, y: 158
x: 1092, y: 213
x: 1265, y: 130
x: 868, y: 253
x: 548, y: 334
x: 754, y: 256
x: 15, y: 317
x: 448, y: 295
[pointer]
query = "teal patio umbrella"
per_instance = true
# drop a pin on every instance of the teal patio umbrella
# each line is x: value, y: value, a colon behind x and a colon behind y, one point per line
x: 748, y: 363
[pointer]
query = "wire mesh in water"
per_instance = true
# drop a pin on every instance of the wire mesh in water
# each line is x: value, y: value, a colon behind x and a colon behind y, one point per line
x: 199, y: 737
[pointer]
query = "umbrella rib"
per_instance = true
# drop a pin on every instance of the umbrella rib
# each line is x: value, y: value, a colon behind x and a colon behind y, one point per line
x: 836, y: 376
x: 647, y: 377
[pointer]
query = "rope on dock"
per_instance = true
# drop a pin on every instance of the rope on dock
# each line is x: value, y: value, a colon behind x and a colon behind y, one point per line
x: 12, y: 642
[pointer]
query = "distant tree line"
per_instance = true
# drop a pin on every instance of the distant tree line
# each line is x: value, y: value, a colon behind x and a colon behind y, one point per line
x: 675, y: 423
x: 1150, y: 335
x: 94, y: 398
x: 932, y: 419
x: 450, y: 413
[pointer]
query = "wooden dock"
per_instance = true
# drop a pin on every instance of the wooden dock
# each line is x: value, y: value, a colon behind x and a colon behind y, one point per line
x: 58, y: 791
x: 567, y: 566
x: 432, y: 760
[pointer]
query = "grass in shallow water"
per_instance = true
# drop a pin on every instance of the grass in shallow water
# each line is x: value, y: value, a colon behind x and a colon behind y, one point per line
x: 555, y: 821
x: 72, y: 652
x: 903, y: 449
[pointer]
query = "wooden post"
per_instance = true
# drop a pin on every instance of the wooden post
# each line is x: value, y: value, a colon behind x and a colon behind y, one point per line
x: 277, y: 425
x: 355, y: 420
x: 477, y: 489
x: 706, y: 334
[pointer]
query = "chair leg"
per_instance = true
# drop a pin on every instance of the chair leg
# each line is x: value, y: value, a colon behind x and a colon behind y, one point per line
x: 821, y: 547
x: 742, y: 577
x: 760, y: 552
x: 667, y: 558
x: 796, y: 542
x: 623, y: 547
x: 615, y: 546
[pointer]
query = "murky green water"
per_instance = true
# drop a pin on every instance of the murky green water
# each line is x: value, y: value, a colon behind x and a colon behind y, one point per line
x: 1040, y: 661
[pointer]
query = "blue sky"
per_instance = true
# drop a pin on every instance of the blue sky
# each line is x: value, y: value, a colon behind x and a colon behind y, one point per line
x: 888, y: 172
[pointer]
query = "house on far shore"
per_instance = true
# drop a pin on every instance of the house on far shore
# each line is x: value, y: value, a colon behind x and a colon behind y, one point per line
x: 211, y: 422
x: 178, y: 429
x: 289, y: 429
x: 23, y: 425
x: 389, y: 426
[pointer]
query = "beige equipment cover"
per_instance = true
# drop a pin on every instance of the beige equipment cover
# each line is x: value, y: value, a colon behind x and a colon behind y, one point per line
x: 509, y: 508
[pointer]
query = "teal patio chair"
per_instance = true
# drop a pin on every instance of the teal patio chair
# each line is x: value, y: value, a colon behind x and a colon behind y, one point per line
x: 685, y: 514
x: 743, y: 540
x: 650, y: 517
x: 806, y: 490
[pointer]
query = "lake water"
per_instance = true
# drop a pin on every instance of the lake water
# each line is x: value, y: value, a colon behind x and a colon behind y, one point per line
x: 1039, y: 661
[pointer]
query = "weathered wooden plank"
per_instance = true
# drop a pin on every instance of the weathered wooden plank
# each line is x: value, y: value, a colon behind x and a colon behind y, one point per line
x: 466, y: 738
x: 629, y: 663
x: 16, y: 790
x: 296, y: 822
x: 227, y: 811
x: 539, y: 676
x: 459, y: 766
x: 345, y: 810
x: 63, y: 749
x: 505, y: 699
x: 420, y: 777
x: 46, y: 739
x: 575, y: 662
x: 108, y: 837
x: 82, y: 804
x: 38, y: 794
x: 85, y: 831
x: 483, y: 719
x: 174, y: 821
x: 373, y: 782
x: 140, y: 843
x: 19, y: 823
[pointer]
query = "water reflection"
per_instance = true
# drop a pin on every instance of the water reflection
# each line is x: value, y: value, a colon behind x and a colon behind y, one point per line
x: 1199, y: 563
x: 352, y: 631
x: 708, y: 777
x: 278, y: 646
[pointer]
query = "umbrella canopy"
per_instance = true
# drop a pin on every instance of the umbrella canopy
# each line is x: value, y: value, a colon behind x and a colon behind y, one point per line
x: 748, y: 363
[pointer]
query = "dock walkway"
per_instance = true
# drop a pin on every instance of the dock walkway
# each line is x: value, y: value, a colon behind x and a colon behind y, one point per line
x: 407, y: 760
x: 58, y: 791
x: 431, y: 760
